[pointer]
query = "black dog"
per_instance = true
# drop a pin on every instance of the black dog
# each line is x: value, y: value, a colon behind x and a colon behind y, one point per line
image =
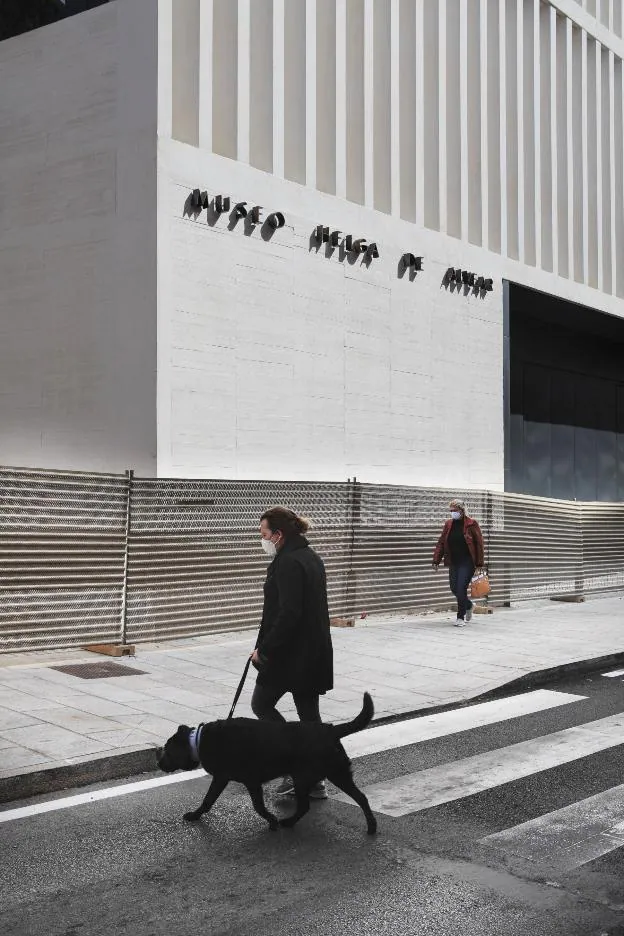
x: 254, y: 752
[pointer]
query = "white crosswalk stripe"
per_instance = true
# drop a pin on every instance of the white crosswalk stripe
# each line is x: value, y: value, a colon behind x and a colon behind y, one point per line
x: 617, y: 672
x: 570, y: 837
x: 427, y: 727
x: 447, y: 782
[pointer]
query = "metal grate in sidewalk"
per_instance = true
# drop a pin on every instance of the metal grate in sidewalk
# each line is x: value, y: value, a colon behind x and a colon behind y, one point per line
x: 101, y: 670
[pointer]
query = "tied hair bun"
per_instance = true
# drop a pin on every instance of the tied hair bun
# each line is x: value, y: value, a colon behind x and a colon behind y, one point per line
x: 286, y: 520
x: 301, y: 524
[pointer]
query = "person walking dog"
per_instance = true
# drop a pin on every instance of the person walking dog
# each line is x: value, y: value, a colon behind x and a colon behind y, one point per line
x: 461, y: 547
x: 294, y: 648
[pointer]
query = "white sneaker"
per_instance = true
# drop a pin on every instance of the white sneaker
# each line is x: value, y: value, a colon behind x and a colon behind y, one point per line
x: 319, y: 791
x: 460, y: 623
x: 469, y: 615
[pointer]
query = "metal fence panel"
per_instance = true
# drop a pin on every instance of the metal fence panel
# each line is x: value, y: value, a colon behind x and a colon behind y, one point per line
x: 61, y: 558
x: 534, y: 547
x: 603, y: 547
x: 195, y: 562
x: 396, y: 530
x: 88, y: 558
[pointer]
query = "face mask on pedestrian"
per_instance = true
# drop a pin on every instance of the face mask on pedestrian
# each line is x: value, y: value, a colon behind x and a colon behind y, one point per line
x: 455, y: 514
x: 269, y: 547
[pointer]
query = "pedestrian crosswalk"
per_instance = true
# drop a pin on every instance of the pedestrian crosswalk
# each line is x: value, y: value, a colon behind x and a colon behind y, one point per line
x: 535, y: 777
x: 570, y: 837
x: 560, y: 839
x: 447, y: 782
x: 415, y: 730
x: 614, y: 673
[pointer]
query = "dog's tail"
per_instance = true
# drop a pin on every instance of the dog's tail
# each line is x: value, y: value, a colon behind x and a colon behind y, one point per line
x: 360, y: 721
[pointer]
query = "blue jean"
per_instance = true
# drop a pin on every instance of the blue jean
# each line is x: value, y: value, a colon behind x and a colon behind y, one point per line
x: 459, y: 580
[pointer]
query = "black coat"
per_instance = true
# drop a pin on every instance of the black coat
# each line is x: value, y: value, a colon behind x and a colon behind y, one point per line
x: 294, y: 642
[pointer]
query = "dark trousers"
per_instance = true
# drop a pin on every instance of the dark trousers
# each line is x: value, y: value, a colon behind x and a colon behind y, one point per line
x: 459, y: 580
x: 265, y: 698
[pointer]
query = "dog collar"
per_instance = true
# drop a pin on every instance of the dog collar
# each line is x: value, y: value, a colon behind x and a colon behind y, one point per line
x: 194, y: 739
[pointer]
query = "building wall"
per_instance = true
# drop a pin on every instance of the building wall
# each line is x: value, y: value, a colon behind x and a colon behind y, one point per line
x: 498, y: 122
x: 78, y: 242
x: 278, y: 361
x: 459, y: 131
x: 133, y: 335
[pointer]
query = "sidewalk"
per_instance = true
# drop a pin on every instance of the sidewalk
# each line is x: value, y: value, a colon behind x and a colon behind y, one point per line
x: 59, y: 730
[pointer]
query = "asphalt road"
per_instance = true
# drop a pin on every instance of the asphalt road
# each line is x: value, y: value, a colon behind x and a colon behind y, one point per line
x: 130, y: 865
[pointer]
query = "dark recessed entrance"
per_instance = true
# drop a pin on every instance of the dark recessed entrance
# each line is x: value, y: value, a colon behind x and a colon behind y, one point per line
x: 564, y: 433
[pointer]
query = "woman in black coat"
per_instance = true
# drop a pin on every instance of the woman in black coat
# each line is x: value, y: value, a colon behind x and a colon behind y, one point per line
x: 294, y: 647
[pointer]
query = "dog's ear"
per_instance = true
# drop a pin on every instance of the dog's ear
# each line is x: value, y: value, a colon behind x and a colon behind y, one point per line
x: 183, y: 730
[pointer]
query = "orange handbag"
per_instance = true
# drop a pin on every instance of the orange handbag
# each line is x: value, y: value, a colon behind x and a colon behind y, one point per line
x: 480, y: 585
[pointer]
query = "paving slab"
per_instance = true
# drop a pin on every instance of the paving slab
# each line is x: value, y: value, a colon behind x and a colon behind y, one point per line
x: 58, y: 730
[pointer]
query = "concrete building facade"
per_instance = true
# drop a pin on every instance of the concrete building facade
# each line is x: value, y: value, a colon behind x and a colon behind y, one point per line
x: 317, y: 239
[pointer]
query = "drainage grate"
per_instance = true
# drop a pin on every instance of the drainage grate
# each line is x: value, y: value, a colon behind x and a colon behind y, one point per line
x: 103, y: 669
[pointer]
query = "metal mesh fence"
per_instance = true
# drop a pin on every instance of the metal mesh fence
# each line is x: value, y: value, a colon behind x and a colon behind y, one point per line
x: 194, y: 557
x: 603, y: 547
x: 62, y: 540
x: 535, y: 547
x: 396, y: 529
x: 87, y: 558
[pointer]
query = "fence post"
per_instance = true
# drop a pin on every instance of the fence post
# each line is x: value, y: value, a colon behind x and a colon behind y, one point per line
x: 488, y: 524
x: 579, y: 582
x: 506, y: 549
x: 354, y: 517
x: 124, y: 591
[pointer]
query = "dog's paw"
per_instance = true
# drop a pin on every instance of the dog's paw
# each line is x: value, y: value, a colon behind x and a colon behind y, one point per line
x: 192, y: 816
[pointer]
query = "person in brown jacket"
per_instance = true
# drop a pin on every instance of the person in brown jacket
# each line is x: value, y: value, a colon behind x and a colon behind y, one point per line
x: 461, y: 547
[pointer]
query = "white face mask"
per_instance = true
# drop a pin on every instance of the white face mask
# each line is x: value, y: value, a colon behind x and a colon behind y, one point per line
x: 269, y: 547
x: 455, y: 515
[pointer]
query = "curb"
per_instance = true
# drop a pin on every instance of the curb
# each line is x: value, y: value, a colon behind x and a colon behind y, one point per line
x: 132, y: 763
x: 67, y: 776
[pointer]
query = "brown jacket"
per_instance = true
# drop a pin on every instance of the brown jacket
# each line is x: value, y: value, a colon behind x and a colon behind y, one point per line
x: 474, y: 542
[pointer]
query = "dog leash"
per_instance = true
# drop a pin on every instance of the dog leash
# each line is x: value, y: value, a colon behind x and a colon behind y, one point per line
x: 240, y: 687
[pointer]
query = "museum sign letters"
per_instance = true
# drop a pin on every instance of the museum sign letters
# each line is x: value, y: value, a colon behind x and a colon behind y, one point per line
x: 349, y: 245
